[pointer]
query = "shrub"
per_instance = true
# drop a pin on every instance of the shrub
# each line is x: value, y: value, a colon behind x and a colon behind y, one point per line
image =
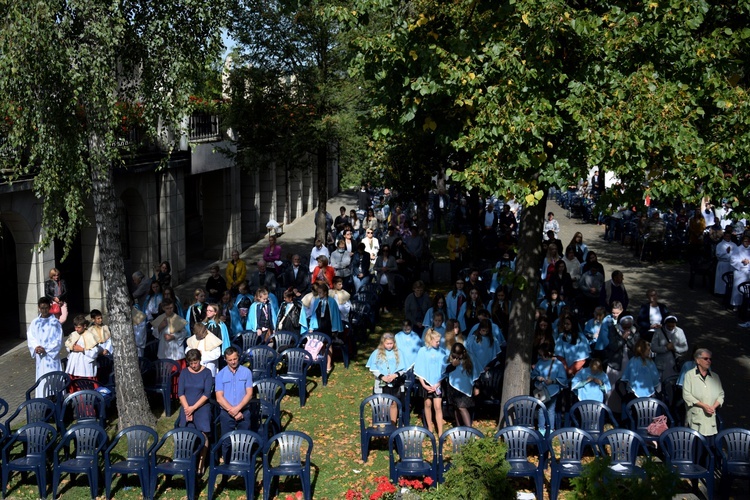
x: 597, y: 481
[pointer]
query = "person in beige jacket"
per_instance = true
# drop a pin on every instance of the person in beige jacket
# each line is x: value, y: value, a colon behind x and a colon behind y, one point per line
x: 703, y: 395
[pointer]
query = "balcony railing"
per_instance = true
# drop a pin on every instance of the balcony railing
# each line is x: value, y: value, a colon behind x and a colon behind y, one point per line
x: 203, y: 127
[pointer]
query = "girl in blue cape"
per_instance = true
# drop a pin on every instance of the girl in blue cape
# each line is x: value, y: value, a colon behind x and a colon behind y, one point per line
x: 548, y: 372
x: 428, y: 368
x: 216, y: 326
x: 387, y: 365
x: 460, y: 388
x: 262, y: 315
x: 240, y: 310
x: 408, y: 343
x: 591, y: 383
x: 482, y: 347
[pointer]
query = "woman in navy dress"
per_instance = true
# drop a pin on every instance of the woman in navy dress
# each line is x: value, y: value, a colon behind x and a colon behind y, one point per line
x: 194, y: 390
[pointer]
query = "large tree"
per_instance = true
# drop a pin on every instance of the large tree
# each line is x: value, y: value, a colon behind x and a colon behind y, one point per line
x: 532, y: 93
x: 291, y: 99
x: 75, y: 75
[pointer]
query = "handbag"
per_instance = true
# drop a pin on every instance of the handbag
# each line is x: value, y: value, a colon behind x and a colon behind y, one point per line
x: 657, y: 426
x: 541, y: 391
x: 55, y: 308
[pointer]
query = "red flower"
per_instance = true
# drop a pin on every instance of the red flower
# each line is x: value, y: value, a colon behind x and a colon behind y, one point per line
x: 299, y: 495
x: 428, y: 481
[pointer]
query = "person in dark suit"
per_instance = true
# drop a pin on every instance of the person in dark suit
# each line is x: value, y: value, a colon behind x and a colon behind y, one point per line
x: 262, y: 278
x: 297, y: 277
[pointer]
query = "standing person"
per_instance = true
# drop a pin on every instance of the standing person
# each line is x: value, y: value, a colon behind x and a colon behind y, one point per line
x: 171, y: 330
x: 163, y: 274
x: 56, y: 290
x: 360, y: 267
x: 196, y: 313
x: 551, y: 224
x: 703, y: 395
x: 141, y: 286
x: 548, y: 372
x: 622, y: 338
x: 385, y: 268
x: 324, y: 270
x: 236, y: 272
x: 416, y: 306
x: 194, y: 389
x: 614, y: 291
x: 44, y: 338
x: 341, y: 262
x: 460, y: 388
x: 216, y: 326
x: 262, y: 278
x: 651, y: 315
x: 151, y: 303
x: 297, y: 278
x: 234, y: 390
x: 291, y: 316
x: 408, y: 343
x: 429, y: 369
x: 83, y: 351
x: 591, y: 383
x: 207, y: 344
x: 455, y: 299
x: 318, y: 250
x: 387, y: 366
x: 741, y: 263
x: 216, y: 285
x: 669, y: 345
x: 372, y: 245
x: 641, y: 374
x: 261, y: 317
x: 272, y: 255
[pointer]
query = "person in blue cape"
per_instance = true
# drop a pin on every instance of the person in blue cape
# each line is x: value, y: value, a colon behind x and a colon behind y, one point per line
x: 460, y: 388
x: 409, y: 343
x: 549, y: 373
x: 196, y: 313
x: 387, y: 366
x: 216, y: 326
x: 482, y: 347
x: 429, y: 370
x: 261, y: 318
x: 591, y: 383
x: 325, y: 317
x: 240, y: 310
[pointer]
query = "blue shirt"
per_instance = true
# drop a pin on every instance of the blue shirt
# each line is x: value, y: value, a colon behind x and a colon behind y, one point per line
x: 234, y: 385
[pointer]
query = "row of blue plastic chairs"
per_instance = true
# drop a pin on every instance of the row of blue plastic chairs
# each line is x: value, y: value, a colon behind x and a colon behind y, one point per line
x: 528, y: 453
x: 80, y: 448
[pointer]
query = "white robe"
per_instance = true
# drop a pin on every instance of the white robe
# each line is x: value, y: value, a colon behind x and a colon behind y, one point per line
x: 171, y: 349
x: 45, y: 332
x: 741, y: 272
x: 723, y: 265
x: 82, y: 364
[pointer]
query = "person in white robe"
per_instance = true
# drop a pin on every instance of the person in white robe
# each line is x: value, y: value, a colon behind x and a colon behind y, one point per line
x: 101, y: 332
x: 741, y: 264
x: 724, y: 251
x: 44, y: 338
x: 83, y: 349
x: 171, y: 330
x: 140, y: 330
x: 208, y: 344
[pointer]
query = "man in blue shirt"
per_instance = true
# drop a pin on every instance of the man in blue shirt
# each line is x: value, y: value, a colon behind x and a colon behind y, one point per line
x: 234, y: 390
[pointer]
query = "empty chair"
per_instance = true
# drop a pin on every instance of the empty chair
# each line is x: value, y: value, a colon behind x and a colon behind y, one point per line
x: 282, y: 340
x: 381, y: 424
x: 734, y: 447
x: 83, y: 407
x: 518, y: 439
x: 38, y: 438
x: 624, y: 447
x: 297, y: 362
x: 244, y: 448
x: 187, y: 444
x: 568, y: 463
x: 270, y: 392
x: 458, y: 436
x: 293, y: 450
x: 141, y: 441
x: 524, y: 411
x: 55, y: 387
x: 640, y: 412
x: 36, y: 410
x: 321, y: 359
x: 87, y: 441
x: 164, y: 372
x: 690, y: 455
x: 409, y: 444
x: 263, y: 361
x: 591, y: 416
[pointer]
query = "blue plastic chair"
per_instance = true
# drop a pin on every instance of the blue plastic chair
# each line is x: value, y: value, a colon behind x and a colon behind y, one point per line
x: 38, y: 439
x: 459, y: 437
x: 83, y: 407
x: 55, y: 386
x: 381, y: 425
x: 247, y: 339
x: 518, y: 439
x: 572, y: 444
x: 524, y: 411
x: 591, y: 416
x: 88, y: 441
x: 141, y: 441
x: 321, y: 360
x: 625, y: 446
x: 263, y: 361
x: 3, y: 407
x: 408, y: 444
x: 187, y: 445
x: 270, y: 392
x: 292, y: 462
x: 690, y: 455
x: 164, y: 371
x: 37, y: 410
x: 640, y: 412
x: 282, y: 340
x: 297, y: 362
x: 245, y: 446
x: 733, y: 446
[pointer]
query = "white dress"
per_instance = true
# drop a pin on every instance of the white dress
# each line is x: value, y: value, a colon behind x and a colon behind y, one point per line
x: 741, y: 272
x: 82, y: 364
x: 171, y: 349
x: 723, y: 265
x: 47, y: 333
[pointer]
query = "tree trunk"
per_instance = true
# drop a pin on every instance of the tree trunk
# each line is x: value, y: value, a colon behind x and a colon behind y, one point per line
x: 320, y: 216
x: 132, y: 404
x: 520, y: 337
